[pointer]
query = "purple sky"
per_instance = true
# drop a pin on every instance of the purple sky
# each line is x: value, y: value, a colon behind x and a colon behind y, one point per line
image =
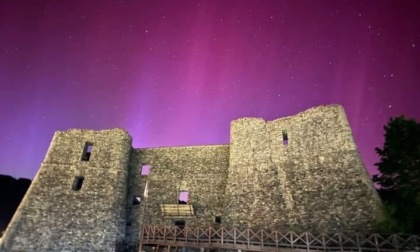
x: 177, y: 72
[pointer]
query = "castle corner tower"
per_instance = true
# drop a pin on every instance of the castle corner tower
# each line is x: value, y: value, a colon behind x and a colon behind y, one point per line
x: 77, y: 201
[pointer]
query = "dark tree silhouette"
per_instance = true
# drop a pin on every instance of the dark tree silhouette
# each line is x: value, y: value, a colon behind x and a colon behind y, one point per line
x: 399, y: 177
x: 11, y: 193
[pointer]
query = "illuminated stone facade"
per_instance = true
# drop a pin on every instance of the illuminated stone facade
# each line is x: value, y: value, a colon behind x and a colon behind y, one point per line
x: 301, y: 172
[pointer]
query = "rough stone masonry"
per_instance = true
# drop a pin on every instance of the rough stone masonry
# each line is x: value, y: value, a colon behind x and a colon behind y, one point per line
x: 301, y: 173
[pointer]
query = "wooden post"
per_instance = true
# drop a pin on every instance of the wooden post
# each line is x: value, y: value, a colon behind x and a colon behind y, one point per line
x: 222, y: 237
x: 234, y: 237
x: 262, y: 240
x: 247, y: 237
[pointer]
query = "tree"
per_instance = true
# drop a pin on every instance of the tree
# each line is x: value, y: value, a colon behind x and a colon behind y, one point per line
x: 399, y: 177
x: 11, y: 193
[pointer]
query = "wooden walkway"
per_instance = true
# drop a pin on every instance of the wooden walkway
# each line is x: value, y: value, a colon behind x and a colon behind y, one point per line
x: 263, y: 240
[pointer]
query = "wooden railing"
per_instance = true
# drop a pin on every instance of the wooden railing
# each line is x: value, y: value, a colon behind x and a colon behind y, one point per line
x: 263, y: 240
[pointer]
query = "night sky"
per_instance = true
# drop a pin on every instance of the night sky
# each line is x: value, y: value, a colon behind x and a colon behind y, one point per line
x: 176, y: 73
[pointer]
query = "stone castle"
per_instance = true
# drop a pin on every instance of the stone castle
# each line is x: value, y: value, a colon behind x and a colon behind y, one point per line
x: 93, y: 189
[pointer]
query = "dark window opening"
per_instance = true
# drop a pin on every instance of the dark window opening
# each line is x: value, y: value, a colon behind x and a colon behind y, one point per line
x: 218, y: 219
x: 145, y: 170
x: 285, y: 138
x: 77, y: 183
x: 180, y: 223
x: 136, y: 200
x: 183, y: 197
x: 87, y: 151
x: 129, y: 224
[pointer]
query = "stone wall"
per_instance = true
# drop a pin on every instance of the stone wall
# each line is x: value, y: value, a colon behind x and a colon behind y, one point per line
x: 53, y: 217
x: 201, y: 170
x: 313, y: 182
x: 316, y: 181
x: 255, y: 190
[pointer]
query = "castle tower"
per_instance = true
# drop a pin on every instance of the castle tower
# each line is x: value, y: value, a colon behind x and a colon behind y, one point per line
x: 299, y: 172
x: 254, y: 195
x: 77, y: 201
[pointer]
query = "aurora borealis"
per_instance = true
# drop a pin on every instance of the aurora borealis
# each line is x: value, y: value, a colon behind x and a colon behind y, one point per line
x: 177, y: 72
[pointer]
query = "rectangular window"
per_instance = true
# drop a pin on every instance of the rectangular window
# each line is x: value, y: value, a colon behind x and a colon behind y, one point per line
x: 180, y: 223
x: 145, y: 170
x: 218, y: 219
x: 136, y: 200
x: 77, y: 183
x: 285, y: 138
x: 183, y: 197
x: 87, y: 151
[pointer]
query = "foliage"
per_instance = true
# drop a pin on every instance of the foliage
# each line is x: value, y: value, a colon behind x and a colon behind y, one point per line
x: 399, y: 177
x: 401, y: 212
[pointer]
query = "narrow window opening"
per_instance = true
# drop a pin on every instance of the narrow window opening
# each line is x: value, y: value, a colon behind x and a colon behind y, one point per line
x: 180, y: 223
x: 218, y: 219
x: 136, y: 200
x: 145, y: 170
x: 285, y: 138
x: 77, y: 183
x: 87, y: 151
x: 183, y: 197
x: 129, y: 224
